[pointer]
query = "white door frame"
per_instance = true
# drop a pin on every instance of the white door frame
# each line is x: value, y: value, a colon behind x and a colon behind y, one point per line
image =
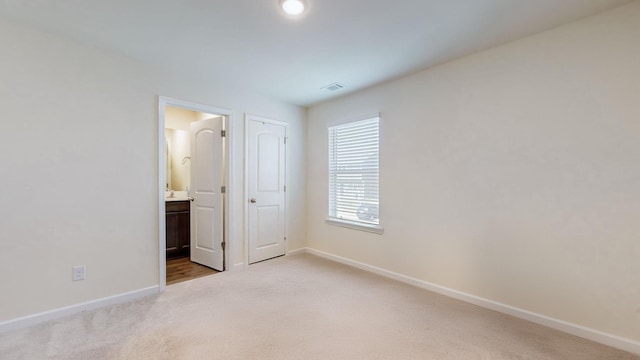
x: 229, y: 236
x: 247, y: 118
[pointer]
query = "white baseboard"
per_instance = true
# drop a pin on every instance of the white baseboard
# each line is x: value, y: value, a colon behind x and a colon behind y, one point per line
x: 297, y: 251
x: 22, y: 322
x: 564, y: 326
x: 238, y: 267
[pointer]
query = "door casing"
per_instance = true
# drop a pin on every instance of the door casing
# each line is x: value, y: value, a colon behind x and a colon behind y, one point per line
x: 229, y: 234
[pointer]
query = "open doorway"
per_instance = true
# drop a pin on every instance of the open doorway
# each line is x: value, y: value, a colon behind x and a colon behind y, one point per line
x: 193, y: 155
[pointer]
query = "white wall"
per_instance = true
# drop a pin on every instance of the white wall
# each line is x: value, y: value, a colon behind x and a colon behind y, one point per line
x: 512, y: 174
x: 78, y: 150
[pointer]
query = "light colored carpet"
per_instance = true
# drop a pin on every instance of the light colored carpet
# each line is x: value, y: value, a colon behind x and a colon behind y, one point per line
x: 297, y: 307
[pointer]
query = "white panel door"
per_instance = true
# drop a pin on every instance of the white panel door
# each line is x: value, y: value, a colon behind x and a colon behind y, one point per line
x: 206, y: 183
x: 266, y: 181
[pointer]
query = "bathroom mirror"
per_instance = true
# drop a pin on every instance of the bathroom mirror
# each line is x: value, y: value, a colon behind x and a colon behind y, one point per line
x: 167, y: 158
x: 177, y: 149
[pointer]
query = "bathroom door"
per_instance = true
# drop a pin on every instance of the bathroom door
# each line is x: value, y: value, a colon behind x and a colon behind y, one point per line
x: 266, y: 185
x: 206, y: 188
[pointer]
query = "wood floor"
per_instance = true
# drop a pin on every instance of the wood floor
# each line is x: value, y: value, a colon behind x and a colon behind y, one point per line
x: 182, y: 269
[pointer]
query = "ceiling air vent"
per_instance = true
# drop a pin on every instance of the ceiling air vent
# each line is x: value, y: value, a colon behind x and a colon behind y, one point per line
x: 333, y: 87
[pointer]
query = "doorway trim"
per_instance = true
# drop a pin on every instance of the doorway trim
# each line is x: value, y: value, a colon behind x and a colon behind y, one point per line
x: 247, y: 118
x: 228, y: 232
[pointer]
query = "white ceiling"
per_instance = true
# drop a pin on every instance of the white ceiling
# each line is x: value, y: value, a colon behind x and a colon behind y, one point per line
x: 250, y: 43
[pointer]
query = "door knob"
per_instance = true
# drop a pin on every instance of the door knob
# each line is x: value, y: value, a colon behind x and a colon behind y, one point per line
x: 252, y: 200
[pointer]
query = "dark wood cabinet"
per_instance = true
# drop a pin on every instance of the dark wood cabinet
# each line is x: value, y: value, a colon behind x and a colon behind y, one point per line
x: 178, y: 224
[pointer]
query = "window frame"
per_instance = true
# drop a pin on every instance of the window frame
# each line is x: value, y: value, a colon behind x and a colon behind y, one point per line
x: 346, y: 223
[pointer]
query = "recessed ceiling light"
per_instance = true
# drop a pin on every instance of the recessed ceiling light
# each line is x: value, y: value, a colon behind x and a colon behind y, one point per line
x: 293, y: 7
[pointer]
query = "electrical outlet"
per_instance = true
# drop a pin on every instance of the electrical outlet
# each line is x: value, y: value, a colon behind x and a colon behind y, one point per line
x: 79, y: 272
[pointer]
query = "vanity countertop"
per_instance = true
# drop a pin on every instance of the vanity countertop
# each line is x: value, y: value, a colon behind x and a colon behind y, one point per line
x: 177, y: 196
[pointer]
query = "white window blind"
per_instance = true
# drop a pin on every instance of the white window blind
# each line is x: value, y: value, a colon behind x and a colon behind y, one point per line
x: 353, y: 172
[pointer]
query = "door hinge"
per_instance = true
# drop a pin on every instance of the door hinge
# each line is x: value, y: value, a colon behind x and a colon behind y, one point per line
x: 285, y: 188
x: 223, y: 189
x: 223, y: 133
x: 222, y: 244
x: 285, y: 140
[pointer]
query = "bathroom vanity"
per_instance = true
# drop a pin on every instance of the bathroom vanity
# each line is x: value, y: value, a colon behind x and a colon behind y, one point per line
x: 178, y: 228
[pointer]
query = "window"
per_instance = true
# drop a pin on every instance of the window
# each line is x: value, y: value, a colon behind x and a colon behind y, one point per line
x: 353, y: 175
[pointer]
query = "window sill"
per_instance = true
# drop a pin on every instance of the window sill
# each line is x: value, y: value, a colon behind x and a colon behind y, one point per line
x: 376, y: 229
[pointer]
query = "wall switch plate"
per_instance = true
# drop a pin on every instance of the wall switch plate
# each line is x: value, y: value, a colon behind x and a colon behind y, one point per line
x: 79, y: 272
